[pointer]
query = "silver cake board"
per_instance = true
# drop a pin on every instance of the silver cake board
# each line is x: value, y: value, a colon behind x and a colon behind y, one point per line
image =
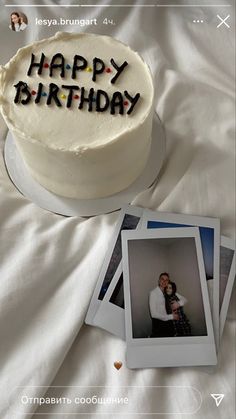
x: 47, y: 200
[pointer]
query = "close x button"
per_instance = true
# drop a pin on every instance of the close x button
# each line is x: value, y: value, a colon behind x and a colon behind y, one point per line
x: 224, y: 21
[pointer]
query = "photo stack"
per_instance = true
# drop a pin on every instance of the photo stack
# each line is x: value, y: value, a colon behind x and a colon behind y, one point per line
x: 165, y: 287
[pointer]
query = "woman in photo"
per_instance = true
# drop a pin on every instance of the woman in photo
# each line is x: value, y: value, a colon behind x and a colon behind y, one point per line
x: 17, y: 23
x: 182, y: 326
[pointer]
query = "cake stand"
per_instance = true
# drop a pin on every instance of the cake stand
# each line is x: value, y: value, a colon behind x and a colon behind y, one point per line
x: 47, y: 200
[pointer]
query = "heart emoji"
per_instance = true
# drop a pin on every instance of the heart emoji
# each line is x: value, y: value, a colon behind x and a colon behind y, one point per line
x: 118, y: 364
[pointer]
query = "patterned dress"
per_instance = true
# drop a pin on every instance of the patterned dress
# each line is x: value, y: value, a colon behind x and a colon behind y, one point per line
x: 182, y: 326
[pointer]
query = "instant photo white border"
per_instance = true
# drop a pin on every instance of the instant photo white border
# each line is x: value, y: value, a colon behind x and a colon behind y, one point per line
x: 95, y: 301
x: 229, y: 244
x: 197, y: 221
x: 110, y: 316
x: 175, y: 351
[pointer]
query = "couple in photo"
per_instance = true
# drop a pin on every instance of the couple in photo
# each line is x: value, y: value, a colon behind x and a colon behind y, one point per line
x: 166, y: 309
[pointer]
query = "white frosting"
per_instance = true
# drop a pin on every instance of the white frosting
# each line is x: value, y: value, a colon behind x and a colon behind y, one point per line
x: 74, y: 152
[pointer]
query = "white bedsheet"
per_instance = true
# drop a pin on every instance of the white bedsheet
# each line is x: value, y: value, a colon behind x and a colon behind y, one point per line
x: 49, y: 264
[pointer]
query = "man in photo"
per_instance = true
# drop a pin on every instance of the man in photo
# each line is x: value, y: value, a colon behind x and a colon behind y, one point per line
x: 163, y: 323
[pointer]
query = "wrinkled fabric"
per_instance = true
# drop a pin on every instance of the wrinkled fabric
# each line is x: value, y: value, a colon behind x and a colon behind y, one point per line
x: 49, y: 264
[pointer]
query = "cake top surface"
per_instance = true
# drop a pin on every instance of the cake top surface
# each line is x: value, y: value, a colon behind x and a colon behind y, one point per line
x: 75, y: 91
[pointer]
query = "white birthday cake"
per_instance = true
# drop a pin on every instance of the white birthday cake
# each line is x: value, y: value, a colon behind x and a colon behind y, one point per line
x: 80, y: 108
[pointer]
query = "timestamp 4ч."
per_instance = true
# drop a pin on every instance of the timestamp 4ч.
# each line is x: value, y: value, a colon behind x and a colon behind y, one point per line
x: 108, y: 21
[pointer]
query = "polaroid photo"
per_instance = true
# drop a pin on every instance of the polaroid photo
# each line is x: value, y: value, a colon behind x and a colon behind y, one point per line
x: 227, y: 277
x: 129, y: 219
x: 168, y: 318
x: 209, y: 229
x: 111, y: 314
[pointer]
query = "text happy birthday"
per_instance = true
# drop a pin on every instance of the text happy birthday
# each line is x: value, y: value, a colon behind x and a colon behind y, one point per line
x: 89, y: 99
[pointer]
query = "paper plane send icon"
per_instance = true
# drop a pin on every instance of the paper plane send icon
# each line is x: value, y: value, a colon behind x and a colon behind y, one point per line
x: 218, y: 398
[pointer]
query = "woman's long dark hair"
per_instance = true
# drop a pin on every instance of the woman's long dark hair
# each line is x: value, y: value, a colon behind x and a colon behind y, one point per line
x: 13, y: 24
x: 168, y: 298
